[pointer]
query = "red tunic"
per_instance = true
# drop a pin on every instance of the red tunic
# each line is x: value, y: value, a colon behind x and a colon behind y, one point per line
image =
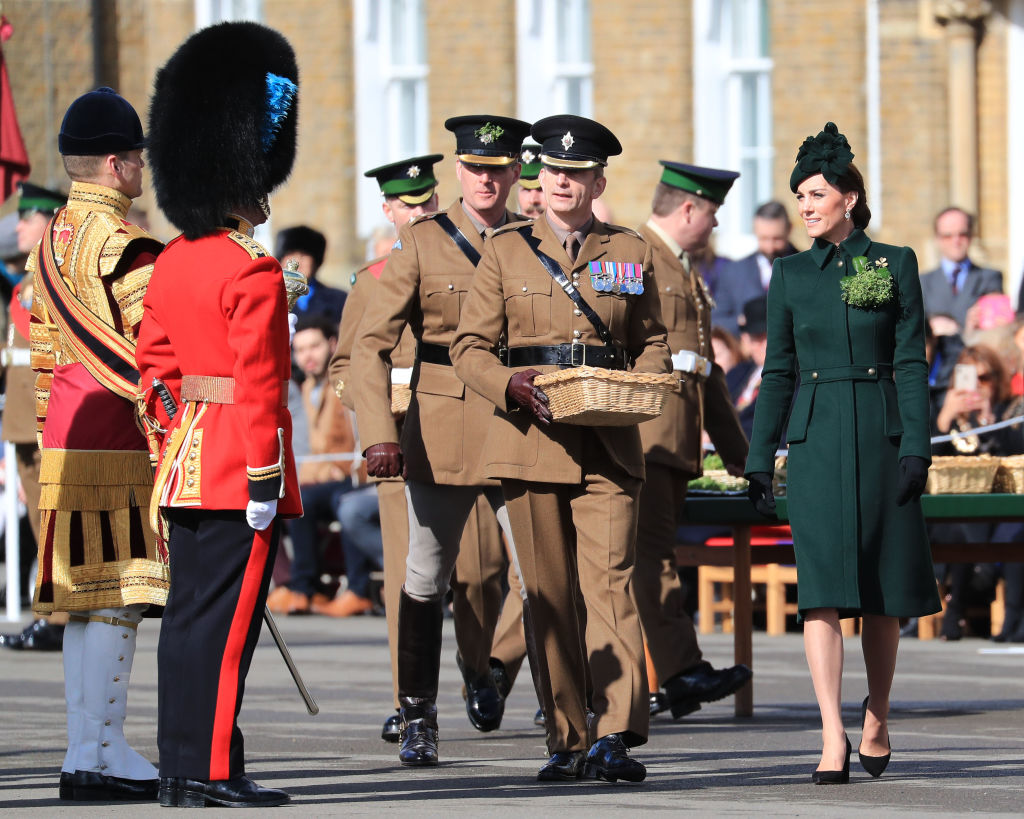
x: 216, y: 307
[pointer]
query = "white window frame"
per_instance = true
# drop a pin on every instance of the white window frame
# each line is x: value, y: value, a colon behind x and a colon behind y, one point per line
x: 386, y: 131
x: 720, y: 117
x: 209, y: 12
x: 547, y: 31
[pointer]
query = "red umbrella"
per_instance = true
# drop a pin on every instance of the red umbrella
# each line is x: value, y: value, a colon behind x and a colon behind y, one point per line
x: 14, y: 164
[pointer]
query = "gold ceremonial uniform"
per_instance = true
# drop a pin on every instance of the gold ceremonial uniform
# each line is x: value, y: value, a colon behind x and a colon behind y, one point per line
x: 476, y: 587
x: 570, y: 490
x: 96, y: 549
x: 672, y: 447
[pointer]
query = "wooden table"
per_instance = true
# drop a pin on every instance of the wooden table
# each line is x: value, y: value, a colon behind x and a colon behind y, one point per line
x: 738, y: 513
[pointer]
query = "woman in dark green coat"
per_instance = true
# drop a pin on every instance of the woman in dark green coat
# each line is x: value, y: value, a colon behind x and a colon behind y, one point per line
x: 846, y: 322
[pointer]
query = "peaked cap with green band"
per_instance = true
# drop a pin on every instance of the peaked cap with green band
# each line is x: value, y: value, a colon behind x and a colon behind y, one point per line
x: 34, y: 198
x: 828, y: 153
x: 411, y: 180
x: 529, y: 159
x: 710, y: 183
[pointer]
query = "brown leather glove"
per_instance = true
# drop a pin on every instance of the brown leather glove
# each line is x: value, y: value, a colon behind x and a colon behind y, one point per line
x: 385, y: 461
x: 520, y: 389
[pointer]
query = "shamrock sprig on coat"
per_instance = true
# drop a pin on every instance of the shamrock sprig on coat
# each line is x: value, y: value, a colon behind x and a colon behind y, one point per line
x: 871, y: 285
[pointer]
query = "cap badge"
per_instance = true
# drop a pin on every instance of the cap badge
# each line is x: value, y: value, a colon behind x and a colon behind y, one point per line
x: 567, y: 141
x: 413, y: 172
x: 488, y: 132
x: 528, y: 157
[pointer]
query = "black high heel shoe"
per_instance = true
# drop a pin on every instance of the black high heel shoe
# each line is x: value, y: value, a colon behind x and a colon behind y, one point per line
x: 874, y: 765
x: 835, y: 777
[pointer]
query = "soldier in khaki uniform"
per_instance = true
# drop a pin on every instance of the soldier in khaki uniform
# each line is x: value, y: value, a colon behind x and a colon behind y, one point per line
x: 571, y: 490
x: 424, y: 285
x: 684, y: 206
x: 409, y: 190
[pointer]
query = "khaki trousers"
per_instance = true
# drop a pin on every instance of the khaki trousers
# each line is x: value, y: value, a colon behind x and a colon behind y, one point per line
x: 477, y: 587
x: 509, y: 643
x: 580, y: 539
x: 657, y: 592
x: 476, y: 592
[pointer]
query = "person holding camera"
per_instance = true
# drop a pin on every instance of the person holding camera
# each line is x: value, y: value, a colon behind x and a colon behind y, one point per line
x: 846, y: 317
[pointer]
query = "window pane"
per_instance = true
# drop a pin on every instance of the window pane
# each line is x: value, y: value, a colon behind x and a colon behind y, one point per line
x: 749, y: 110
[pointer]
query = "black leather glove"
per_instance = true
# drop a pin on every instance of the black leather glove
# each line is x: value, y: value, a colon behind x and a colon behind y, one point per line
x: 520, y: 389
x: 760, y: 493
x: 384, y: 461
x: 913, y: 477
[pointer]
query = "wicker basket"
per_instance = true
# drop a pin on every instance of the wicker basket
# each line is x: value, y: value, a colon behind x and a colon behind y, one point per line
x: 401, y: 397
x: 595, y: 397
x: 961, y: 475
x: 1010, y: 475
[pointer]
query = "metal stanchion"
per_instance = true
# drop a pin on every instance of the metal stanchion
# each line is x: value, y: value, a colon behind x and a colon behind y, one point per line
x: 13, y: 530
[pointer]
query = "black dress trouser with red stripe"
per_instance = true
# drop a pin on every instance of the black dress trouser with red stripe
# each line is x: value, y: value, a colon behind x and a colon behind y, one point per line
x: 220, y: 569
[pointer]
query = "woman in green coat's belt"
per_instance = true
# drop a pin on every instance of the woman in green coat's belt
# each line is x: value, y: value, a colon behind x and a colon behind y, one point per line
x: 845, y: 318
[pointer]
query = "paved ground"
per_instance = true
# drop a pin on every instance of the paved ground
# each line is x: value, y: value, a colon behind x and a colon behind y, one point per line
x: 957, y: 731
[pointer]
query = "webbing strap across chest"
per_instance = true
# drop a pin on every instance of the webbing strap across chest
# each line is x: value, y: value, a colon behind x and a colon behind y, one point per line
x: 107, y: 355
x: 457, y: 236
x: 555, y: 271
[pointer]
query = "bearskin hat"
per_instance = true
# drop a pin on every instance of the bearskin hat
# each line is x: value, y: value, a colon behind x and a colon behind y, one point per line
x: 222, y: 123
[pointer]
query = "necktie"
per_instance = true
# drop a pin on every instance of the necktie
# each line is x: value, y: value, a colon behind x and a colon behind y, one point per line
x: 488, y: 233
x: 570, y: 246
x: 956, y: 277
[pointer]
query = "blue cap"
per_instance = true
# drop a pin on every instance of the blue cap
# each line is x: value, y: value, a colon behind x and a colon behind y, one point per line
x: 98, y: 123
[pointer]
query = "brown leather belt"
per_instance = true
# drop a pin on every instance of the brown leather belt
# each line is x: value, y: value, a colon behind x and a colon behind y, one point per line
x: 216, y: 389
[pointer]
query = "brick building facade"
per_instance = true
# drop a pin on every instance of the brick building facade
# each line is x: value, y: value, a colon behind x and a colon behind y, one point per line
x: 882, y: 69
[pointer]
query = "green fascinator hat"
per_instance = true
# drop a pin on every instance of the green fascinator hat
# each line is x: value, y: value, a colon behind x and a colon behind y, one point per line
x: 828, y: 153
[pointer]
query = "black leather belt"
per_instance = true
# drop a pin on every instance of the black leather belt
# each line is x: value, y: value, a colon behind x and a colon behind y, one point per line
x: 568, y: 355
x: 433, y: 353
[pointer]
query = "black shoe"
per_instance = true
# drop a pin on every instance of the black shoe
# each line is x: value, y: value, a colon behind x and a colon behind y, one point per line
x: 702, y: 683
x: 608, y: 759
x: 90, y: 786
x: 39, y: 636
x: 237, y: 792
x: 564, y: 766
x: 835, y: 777
x: 500, y: 676
x: 659, y: 703
x: 419, y: 732
x: 874, y: 765
x: 392, y: 730
x: 484, y: 704
x: 538, y: 718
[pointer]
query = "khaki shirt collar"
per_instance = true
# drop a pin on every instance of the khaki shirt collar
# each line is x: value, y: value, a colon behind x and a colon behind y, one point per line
x: 580, y: 234
x: 671, y: 243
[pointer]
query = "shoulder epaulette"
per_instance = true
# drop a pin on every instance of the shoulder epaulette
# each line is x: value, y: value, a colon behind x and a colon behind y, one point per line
x: 373, y: 267
x: 510, y: 226
x: 248, y: 244
x: 423, y: 217
x: 623, y: 229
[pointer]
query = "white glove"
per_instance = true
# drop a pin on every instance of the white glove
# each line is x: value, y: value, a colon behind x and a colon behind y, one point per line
x: 260, y: 515
x: 292, y: 321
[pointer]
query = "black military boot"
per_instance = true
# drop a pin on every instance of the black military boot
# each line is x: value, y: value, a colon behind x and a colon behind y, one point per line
x: 485, y: 705
x: 419, y: 665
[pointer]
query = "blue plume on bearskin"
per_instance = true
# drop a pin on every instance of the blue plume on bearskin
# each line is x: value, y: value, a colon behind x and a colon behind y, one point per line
x: 223, y: 124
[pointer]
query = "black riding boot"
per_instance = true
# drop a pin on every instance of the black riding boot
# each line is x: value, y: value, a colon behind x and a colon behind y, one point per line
x: 419, y: 665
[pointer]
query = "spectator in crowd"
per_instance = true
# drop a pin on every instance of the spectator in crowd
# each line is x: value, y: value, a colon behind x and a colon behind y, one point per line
x: 979, y: 394
x: 942, y: 350
x: 748, y: 278
x: 957, y: 283
x: 321, y: 483
x: 306, y: 246
x: 728, y: 352
x: 363, y: 547
x: 744, y: 380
